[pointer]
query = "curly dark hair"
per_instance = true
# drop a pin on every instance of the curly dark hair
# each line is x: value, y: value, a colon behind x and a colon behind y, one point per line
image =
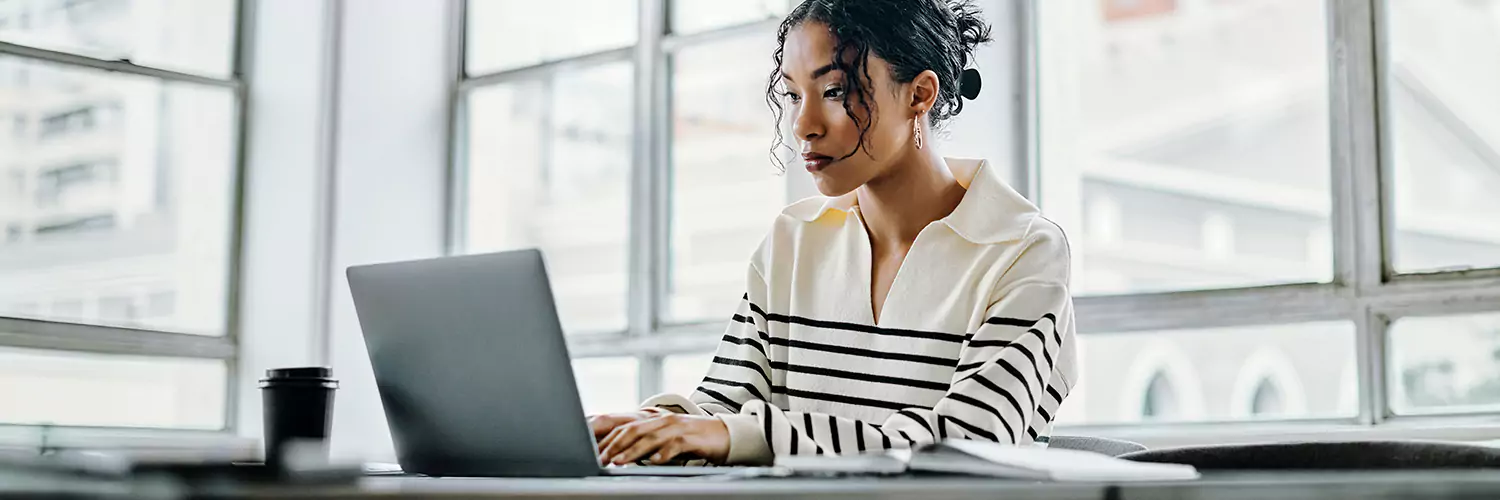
x: 911, y: 35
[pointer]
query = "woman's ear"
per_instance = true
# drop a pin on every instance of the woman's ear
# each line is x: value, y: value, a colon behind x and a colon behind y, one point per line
x: 924, y: 91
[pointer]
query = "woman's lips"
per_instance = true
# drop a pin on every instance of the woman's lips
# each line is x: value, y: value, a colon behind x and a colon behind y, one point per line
x: 815, y: 162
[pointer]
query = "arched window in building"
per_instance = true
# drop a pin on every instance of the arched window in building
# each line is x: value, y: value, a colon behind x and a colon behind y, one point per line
x: 1268, y: 399
x: 1161, y: 399
x: 1161, y: 384
x: 1268, y: 387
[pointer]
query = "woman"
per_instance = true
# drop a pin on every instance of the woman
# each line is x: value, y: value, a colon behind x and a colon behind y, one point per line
x: 922, y: 299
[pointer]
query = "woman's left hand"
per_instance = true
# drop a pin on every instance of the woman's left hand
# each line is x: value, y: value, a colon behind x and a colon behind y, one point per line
x: 665, y: 437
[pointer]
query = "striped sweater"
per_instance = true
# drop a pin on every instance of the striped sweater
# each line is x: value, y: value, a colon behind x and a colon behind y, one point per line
x: 975, y: 339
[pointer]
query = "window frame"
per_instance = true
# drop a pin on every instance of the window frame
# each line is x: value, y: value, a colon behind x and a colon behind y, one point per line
x: 1365, y: 288
x: 61, y: 336
x: 649, y: 335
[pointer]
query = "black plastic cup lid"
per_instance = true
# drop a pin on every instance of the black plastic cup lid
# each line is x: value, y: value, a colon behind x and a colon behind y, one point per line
x: 309, y: 372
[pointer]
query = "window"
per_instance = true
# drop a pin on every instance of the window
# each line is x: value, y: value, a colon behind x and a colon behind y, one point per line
x: 110, y: 390
x: 606, y: 384
x: 725, y: 189
x: 1267, y: 399
x: 1248, y: 212
x: 17, y: 187
x: 1205, y: 134
x: 682, y: 373
x: 54, y: 183
x: 1118, y: 10
x: 1445, y: 133
x: 1263, y: 232
x: 189, y: 36
x: 118, y: 309
x: 72, y: 121
x: 1445, y: 363
x: 690, y: 16
x: 549, y: 167
x: 1211, y: 374
x: 119, y: 213
x: 506, y: 34
x: 558, y: 153
x: 92, y: 184
x: 161, y: 305
x: 1160, y: 401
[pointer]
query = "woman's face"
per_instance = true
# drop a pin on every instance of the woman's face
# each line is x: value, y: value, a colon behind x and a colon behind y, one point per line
x: 826, y: 134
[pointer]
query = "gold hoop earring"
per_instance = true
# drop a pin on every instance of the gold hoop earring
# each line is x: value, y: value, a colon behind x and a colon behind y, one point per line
x: 916, y: 131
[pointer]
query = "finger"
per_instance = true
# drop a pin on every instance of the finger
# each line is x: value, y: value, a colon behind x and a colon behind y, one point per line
x: 613, y: 422
x: 603, y: 424
x: 621, y: 419
x: 648, y: 445
x: 626, y: 436
x: 668, y: 451
x: 611, y: 436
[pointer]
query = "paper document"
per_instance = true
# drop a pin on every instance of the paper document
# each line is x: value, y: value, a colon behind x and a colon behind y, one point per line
x: 993, y: 459
x: 979, y: 458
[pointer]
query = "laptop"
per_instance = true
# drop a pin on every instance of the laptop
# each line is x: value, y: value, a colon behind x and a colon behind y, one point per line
x: 473, y: 371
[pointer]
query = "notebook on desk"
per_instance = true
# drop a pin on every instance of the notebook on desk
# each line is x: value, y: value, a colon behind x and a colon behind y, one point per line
x: 978, y: 458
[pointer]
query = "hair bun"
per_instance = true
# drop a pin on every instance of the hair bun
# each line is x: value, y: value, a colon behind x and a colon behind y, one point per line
x: 969, y: 84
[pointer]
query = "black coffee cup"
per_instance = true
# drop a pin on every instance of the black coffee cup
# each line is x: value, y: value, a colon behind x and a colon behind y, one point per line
x: 298, y: 413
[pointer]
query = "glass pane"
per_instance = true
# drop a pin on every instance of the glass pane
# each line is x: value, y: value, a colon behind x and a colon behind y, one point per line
x: 1185, y: 145
x: 1445, y: 132
x: 1445, y: 364
x: 1270, y: 372
x: 195, y: 36
x: 681, y: 373
x: 549, y: 167
x: 700, y: 15
x: 56, y: 388
x: 505, y: 34
x: 725, y: 190
x: 118, y: 209
x: 607, y: 385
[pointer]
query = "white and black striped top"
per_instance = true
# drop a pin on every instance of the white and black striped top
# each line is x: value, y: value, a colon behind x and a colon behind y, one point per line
x: 975, y: 339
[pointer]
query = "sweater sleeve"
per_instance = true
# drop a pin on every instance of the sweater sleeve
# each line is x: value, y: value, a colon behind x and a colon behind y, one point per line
x: 1005, y: 376
x: 740, y: 374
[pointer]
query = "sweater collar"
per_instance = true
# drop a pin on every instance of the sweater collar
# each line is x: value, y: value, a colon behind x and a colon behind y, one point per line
x: 990, y: 211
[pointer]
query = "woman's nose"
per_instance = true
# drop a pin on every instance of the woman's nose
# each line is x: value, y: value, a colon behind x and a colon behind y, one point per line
x: 808, y: 124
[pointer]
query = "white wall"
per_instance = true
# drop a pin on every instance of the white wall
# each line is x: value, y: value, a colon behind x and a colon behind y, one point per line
x: 347, y: 155
x: 285, y: 192
x: 987, y: 126
x: 394, y: 95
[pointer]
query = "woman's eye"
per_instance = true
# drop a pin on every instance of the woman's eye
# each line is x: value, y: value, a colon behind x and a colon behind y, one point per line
x: 791, y: 97
x: 834, y: 93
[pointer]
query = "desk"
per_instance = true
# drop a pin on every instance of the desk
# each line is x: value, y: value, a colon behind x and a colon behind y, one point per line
x: 649, y: 488
x: 1214, y: 486
x: 1453, y: 484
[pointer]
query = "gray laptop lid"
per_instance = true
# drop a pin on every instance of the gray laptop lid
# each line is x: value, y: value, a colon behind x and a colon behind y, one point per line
x: 472, y: 368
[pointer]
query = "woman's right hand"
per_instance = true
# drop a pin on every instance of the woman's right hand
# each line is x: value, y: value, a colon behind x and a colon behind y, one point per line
x: 604, y: 424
